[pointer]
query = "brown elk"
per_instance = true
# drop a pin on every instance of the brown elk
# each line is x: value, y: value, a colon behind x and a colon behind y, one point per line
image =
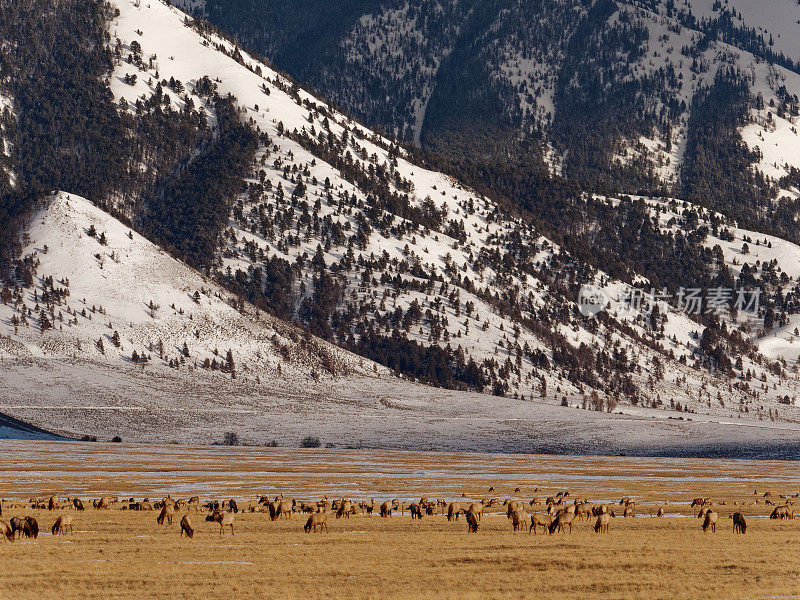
x: 27, y: 526
x: 477, y: 509
x: 584, y: 508
x: 6, y: 532
x: 701, y: 502
x: 345, y: 508
x: 601, y: 525
x: 739, y: 523
x: 225, y: 519
x: 20, y: 526
x: 278, y: 509
x: 518, y: 519
x: 710, y: 522
x: 453, y: 510
x: 62, y: 525
x: 782, y: 512
x: 319, y: 519
x: 539, y: 520
x: 167, y: 512
x: 561, y: 522
x: 186, y: 527
x: 472, y: 522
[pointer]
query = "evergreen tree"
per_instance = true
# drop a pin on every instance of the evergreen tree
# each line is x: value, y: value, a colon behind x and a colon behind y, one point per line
x: 230, y: 367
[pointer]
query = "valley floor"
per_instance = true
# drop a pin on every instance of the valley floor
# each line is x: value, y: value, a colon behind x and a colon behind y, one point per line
x: 77, y: 398
x: 124, y: 554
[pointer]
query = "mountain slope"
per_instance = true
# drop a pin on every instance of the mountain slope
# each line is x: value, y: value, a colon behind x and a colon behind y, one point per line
x: 104, y: 293
x: 328, y: 224
x: 602, y: 89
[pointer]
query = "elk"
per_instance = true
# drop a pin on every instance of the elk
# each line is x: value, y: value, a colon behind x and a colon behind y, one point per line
x: 186, y: 527
x: 225, y: 519
x: 62, y: 525
x: 318, y: 519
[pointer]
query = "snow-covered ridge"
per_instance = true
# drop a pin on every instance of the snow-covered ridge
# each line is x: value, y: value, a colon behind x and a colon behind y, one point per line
x: 113, y: 293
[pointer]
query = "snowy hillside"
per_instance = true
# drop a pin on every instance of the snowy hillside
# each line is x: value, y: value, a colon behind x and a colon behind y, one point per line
x: 541, y: 71
x: 103, y: 293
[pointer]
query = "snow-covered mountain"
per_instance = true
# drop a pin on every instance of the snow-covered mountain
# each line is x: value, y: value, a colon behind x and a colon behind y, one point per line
x: 603, y: 88
x: 344, y: 232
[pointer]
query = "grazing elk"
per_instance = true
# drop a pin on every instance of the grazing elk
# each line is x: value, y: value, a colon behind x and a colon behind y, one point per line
x: 6, y: 532
x: 701, y: 502
x: 167, y: 512
x: 561, y: 522
x: 782, y: 512
x: 278, y: 509
x: 601, y: 525
x: 453, y: 510
x: 345, y: 508
x: 319, y: 519
x: 539, y: 520
x: 62, y: 525
x: 584, y: 508
x: 518, y: 519
x: 739, y: 523
x: 710, y: 522
x: 472, y: 522
x: 20, y: 527
x: 477, y: 509
x: 186, y: 527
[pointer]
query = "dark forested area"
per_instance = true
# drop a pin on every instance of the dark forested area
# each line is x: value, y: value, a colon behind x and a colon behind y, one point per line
x: 190, y: 209
x: 716, y: 169
x: 69, y: 133
x: 149, y: 163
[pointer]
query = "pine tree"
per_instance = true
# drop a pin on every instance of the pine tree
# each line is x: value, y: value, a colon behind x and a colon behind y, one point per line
x: 185, y: 350
x: 230, y: 367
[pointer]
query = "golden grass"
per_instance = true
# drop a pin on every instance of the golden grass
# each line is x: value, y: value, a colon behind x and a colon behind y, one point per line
x: 120, y: 554
x: 124, y: 554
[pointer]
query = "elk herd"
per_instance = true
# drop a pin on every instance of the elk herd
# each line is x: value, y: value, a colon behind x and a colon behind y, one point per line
x: 555, y: 514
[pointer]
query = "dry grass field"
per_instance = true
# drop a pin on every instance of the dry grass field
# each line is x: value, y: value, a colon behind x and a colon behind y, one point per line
x: 124, y: 554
